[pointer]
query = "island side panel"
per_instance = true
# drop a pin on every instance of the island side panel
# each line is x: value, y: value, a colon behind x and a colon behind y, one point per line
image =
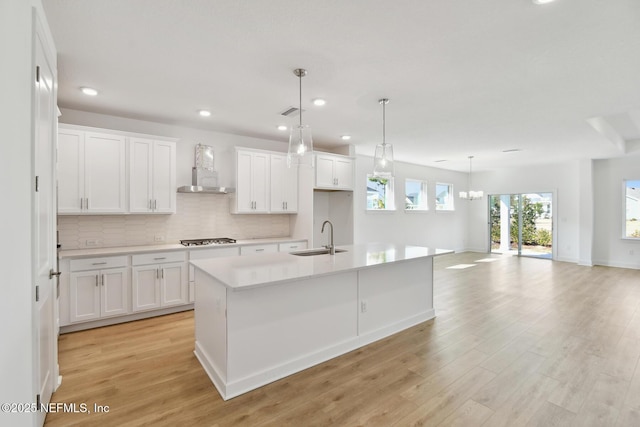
x: 395, y: 296
x: 274, y: 331
x: 211, y: 328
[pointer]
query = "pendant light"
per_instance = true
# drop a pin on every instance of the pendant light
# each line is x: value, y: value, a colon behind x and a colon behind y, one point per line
x: 300, y: 142
x: 470, y: 194
x: 383, y: 158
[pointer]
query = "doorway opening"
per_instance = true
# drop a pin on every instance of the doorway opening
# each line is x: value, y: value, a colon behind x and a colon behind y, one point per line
x: 521, y: 224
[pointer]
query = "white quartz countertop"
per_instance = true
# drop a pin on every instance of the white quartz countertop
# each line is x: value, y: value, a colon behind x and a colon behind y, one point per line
x: 239, y: 273
x: 125, y: 250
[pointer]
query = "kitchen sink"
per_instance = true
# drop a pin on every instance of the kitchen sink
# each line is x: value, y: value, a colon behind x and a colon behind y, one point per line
x: 314, y: 252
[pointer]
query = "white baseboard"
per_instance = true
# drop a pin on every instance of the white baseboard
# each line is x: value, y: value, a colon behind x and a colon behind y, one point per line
x: 123, y: 319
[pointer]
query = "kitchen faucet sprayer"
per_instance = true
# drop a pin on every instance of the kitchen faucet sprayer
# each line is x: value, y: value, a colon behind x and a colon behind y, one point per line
x: 330, y: 246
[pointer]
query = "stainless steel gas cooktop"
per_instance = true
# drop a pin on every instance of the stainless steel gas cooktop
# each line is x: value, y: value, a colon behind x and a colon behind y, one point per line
x: 210, y: 241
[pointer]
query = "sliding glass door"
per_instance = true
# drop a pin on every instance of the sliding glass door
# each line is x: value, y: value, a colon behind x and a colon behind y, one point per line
x: 521, y: 224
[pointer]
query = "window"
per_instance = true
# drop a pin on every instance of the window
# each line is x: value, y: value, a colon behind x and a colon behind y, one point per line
x: 379, y: 193
x: 444, y: 197
x: 415, y: 195
x: 632, y: 209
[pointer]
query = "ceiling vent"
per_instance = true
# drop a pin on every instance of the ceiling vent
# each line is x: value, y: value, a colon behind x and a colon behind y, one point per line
x: 291, y: 112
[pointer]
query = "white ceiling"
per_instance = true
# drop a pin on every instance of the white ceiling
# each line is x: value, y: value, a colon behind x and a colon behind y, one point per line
x: 465, y: 77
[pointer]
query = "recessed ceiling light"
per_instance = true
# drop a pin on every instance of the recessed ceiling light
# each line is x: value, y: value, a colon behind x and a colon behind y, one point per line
x: 282, y: 127
x: 345, y: 137
x: 89, y: 91
x: 319, y: 102
x: 204, y: 113
x: 542, y: 1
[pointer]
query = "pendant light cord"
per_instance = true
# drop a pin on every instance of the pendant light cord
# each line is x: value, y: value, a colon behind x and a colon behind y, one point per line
x: 300, y: 103
x: 384, y: 123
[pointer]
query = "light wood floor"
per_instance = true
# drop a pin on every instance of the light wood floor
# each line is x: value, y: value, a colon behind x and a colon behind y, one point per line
x: 516, y: 341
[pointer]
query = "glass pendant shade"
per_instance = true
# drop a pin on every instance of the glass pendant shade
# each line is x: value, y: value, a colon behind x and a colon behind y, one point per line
x: 383, y: 158
x: 300, y: 151
x: 383, y: 161
x: 471, y: 194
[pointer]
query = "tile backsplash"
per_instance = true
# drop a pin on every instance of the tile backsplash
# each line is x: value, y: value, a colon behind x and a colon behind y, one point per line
x: 197, y: 216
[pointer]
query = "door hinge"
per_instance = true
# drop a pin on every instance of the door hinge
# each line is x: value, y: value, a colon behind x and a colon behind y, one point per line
x: 37, y: 183
x: 37, y: 293
x: 37, y: 74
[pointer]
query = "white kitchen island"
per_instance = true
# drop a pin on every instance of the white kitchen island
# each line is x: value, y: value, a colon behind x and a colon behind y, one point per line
x: 262, y: 317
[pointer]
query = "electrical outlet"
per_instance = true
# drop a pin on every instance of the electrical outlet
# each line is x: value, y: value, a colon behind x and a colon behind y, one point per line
x: 363, y: 306
x: 91, y: 242
x: 158, y: 238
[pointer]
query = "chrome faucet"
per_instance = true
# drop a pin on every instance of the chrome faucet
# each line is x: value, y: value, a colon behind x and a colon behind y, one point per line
x: 330, y: 246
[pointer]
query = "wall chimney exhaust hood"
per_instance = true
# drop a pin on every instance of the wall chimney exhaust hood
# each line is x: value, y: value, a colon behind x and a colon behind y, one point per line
x: 207, y: 190
x: 203, y: 178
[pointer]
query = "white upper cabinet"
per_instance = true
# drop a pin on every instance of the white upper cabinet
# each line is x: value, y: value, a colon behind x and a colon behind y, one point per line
x: 264, y: 183
x: 334, y: 172
x: 252, y: 182
x: 152, y: 176
x: 284, y: 185
x: 91, y: 172
x: 93, y: 178
x: 70, y: 171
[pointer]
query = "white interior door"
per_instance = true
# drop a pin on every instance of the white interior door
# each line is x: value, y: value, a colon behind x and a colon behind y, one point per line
x: 44, y: 258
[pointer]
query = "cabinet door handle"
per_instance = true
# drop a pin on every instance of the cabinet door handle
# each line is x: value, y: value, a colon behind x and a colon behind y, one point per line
x: 293, y: 246
x: 157, y: 273
x: 81, y: 202
x: 86, y: 203
x: 103, y: 280
x: 150, y: 204
x: 162, y: 273
x: 159, y: 258
x: 286, y: 206
x: 155, y: 204
x: 97, y: 280
x: 260, y: 250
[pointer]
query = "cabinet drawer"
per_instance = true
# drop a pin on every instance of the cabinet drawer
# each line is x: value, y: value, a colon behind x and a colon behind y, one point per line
x: 158, y: 257
x: 213, y: 253
x: 97, y: 263
x: 258, y: 249
x: 292, y: 246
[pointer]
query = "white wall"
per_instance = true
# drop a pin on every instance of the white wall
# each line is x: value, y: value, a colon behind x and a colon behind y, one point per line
x: 432, y: 228
x: 17, y: 376
x: 337, y: 207
x: 608, y: 246
x: 560, y: 179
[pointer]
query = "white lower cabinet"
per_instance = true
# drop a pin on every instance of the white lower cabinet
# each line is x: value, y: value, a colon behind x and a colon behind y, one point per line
x: 158, y: 280
x: 95, y: 294
x: 292, y: 246
x: 258, y: 249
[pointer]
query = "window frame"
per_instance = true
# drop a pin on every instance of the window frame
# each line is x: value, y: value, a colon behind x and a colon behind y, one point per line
x: 625, y: 208
x: 389, y: 196
x: 450, y: 206
x: 423, y: 206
